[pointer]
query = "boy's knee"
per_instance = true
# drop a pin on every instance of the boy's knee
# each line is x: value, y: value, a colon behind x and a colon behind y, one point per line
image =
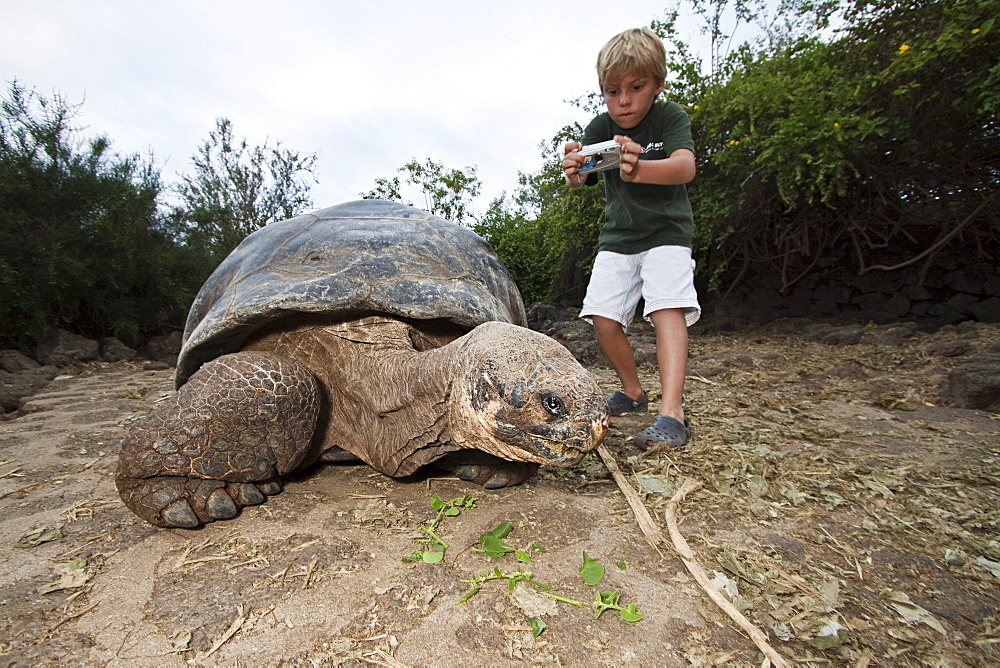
x: 606, y: 329
x: 603, y: 324
x: 667, y: 316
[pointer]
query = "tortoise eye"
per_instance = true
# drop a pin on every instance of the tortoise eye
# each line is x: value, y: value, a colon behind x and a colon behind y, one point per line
x: 554, y: 405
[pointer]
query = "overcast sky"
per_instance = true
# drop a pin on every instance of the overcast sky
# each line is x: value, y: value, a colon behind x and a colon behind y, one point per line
x: 364, y: 85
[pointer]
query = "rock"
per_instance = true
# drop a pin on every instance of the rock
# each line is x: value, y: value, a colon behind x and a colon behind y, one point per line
x: 945, y: 314
x: 975, y: 384
x: 970, y: 279
x: 540, y: 313
x: 587, y: 353
x: 16, y: 386
x: 869, y: 282
x: 962, y: 303
x: 992, y: 286
x: 113, y: 350
x: 987, y: 310
x: 835, y: 335
x: 164, y: 348
x: 949, y: 348
x: 850, y: 371
x: 834, y: 295
x: 898, y: 305
x: 644, y: 351
x: 917, y: 293
x: 58, y: 347
x: 722, y: 323
x: 15, y: 361
x: 890, y: 335
x: 572, y: 330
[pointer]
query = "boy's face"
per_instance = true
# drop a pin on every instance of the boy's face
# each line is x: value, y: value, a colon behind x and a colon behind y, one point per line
x: 630, y: 99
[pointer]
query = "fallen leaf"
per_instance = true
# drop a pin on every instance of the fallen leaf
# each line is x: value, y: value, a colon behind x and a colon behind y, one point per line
x: 992, y: 566
x: 72, y: 575
x: 831, y: 634
x: 911, y: 612
x: 40, y: 535
x: 727, y: 586
x: 651, y: 484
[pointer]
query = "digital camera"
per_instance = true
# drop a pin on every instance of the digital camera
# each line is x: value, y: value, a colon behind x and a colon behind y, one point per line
x: 601, y: 157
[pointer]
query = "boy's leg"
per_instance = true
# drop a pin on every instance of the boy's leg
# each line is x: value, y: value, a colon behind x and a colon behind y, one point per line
x: 671, y: 305
x: 612, y: 295
x: 616, y: 347
x: 671, y: 356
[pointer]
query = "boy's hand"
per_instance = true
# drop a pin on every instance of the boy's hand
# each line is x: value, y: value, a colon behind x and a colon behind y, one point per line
x: 572, y: 161
x: 629, y: 165
x: 679, y: 167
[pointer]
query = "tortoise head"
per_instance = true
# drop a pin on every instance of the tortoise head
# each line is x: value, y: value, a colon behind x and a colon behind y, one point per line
x: 523, y: 397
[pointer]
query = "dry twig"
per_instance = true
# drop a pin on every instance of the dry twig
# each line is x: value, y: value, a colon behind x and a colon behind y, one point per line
x: 229, y: 633
x: 646, y: 523
x: 687, y: 556
x: 70, y: 617
x: 654, y: 536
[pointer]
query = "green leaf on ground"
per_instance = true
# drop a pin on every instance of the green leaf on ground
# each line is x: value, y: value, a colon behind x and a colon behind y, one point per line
x: 493, y: 543
x: 537, y: 626
x: 592, y: 570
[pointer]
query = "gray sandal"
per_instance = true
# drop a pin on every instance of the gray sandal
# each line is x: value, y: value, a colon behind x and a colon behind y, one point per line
x: 620, y: 403
x: 664, y: 430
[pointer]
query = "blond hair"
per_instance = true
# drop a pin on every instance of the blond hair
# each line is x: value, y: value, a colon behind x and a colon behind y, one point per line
x: 635, y: 52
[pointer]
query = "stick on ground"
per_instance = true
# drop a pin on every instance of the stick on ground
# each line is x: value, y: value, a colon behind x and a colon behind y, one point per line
x: 654, y: 536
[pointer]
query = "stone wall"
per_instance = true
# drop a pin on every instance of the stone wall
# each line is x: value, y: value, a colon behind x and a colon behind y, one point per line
x: 943, y: 295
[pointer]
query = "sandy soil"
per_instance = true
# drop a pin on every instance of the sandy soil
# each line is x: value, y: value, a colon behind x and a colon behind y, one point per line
x: 849, y: 517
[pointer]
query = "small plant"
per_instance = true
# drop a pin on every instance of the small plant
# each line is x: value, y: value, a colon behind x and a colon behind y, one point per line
x: 493, y: 544
x: 435, y: 553
x: 608, y: 600
x: 592, y: 570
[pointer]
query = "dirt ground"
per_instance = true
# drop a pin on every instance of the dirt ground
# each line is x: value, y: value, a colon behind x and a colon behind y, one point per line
x: 851, y: 519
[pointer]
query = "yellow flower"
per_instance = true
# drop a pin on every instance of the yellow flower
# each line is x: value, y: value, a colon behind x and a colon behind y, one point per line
x: 836, y: 125
x: 904, y: 48
x: 734, y: 142
x: 975, y: 30
x: 696, y: 107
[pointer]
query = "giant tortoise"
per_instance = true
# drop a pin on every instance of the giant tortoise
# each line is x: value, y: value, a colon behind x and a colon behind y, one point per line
x: 368, y: 330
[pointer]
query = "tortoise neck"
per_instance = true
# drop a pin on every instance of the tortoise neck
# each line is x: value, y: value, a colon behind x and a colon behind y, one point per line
x: 384, y: 401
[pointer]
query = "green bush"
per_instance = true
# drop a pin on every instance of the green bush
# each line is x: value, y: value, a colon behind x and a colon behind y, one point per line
x: 872, y: 146
x: 81, y: 243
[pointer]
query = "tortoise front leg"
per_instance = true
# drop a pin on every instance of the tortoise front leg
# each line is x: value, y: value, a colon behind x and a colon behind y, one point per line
x: 484, y: 469
x: 221, y: 442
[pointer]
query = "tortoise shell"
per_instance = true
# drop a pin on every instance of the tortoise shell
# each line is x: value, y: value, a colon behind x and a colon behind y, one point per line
x: 357, y: 258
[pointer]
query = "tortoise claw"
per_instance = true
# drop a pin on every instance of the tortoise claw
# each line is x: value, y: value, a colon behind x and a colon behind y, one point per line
x: 220, y: 505
x: 498, y: 480
x: 179, y: 514
x: 249, y: 495
x: 269, y: 488
x: 189, y: 503
x: 487, y: 470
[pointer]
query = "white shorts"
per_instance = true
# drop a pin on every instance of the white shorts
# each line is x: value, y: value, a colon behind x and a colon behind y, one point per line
x: 662, y: 276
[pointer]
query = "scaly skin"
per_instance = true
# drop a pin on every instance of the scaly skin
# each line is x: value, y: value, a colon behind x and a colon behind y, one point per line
x: 491, y: 406
x: 221, y: 441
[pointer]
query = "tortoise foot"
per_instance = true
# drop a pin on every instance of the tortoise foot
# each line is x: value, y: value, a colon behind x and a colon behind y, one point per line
x: 485, y: 469
x: 221, y: 442
x: 188, y: 503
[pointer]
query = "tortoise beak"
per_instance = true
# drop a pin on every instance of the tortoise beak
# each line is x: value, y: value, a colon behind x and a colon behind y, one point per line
x: 561, y: 444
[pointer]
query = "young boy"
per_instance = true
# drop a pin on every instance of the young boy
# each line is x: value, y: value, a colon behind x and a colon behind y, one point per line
x: 645, y: 244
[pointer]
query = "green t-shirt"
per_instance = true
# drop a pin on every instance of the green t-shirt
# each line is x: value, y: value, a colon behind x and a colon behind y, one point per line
x: 640, y: 216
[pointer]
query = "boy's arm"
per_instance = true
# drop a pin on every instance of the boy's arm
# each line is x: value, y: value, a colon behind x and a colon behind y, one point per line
x: 677, y: 169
